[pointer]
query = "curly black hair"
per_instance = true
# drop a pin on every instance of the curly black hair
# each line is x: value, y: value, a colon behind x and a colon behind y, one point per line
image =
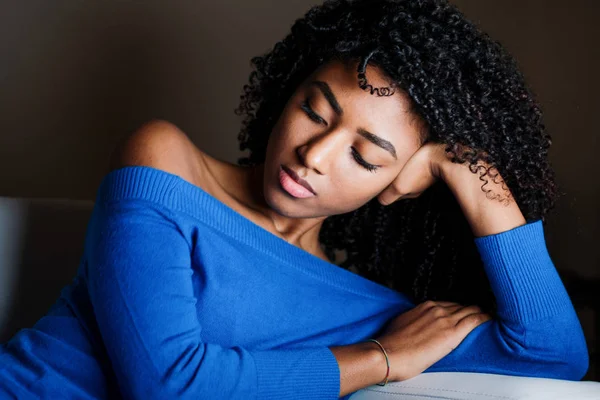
x: 468, y: 91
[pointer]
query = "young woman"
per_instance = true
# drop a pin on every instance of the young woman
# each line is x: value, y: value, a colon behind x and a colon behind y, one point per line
x: 393, y: 131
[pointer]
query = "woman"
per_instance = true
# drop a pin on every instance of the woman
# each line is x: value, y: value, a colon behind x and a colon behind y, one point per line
x: 392, y: 130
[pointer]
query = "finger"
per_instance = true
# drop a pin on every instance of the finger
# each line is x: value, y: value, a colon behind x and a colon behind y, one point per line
x: 394, y: 191
x: 414, y: 182
x: 438, y: 308
x: 469, y: 321
x: 451, y: 309
x: 467, y: 324
x: 389, y: 195
x: 413, y: 179
x: 466, y: 311
x: 433, y: 303
x: 407, y: 186
x: 448, y: 303
x: 421, y: 309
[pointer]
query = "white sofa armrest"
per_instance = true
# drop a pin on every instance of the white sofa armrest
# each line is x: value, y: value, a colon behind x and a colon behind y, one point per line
x: 480, y: 386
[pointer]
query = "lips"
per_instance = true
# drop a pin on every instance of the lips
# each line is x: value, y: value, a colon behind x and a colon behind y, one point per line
x: 297, y: 179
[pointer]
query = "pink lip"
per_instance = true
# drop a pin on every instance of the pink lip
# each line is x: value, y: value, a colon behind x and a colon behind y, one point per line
x: 293, y: 184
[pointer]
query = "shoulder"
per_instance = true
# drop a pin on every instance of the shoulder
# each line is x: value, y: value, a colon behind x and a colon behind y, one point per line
x: 161, y: 144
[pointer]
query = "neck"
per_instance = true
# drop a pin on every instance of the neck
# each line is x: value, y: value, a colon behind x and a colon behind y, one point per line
x: 301, y: 232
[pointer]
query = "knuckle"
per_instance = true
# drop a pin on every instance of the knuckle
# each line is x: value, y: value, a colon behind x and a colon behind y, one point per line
x: 393, y: 188
x: 401, y: 189
x: 476, y: 319
x: 449, y: 335
x: 438, y: 312
x: 485, y: 317
x: 474, y: 308
x: 447, y: 325
x: 429, y: 303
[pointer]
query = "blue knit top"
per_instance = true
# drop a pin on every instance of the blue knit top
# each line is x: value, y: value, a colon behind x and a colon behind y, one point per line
x: 179, y: 296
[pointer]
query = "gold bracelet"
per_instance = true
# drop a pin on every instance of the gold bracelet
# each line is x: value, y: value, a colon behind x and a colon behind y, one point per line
x: 387, y: 361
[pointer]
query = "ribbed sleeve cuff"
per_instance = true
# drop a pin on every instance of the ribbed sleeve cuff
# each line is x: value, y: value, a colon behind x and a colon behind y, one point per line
x: 297, y: 374
x: 522, y: 276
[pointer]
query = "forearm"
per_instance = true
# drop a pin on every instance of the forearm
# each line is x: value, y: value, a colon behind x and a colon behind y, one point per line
x: 361, y: 365
x: 487, y: 213
x: 521, y: 273
x: 529, y: 292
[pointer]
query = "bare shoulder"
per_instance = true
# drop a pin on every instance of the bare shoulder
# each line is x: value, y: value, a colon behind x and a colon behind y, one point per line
x: 161, y: 144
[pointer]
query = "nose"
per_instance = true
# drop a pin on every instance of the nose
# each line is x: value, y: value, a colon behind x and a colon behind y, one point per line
x: 318, y: 153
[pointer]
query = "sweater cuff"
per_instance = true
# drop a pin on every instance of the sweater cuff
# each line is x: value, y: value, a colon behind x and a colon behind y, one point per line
x: 297, y: 373
x: 522, y: 276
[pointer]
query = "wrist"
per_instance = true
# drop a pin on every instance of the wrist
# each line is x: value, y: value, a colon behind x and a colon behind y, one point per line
x: 373, y: 356
x: 486, y: 202
x: 361, y: 365
x: 451, y: 172
x: 383, y: 352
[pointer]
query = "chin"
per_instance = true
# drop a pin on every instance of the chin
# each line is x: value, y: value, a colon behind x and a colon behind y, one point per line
x: 281, y: 203
x: 285, y: 205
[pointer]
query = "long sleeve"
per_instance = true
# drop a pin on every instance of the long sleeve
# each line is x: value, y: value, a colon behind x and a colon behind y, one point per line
x: 537, y: 332
x: 140, y: 284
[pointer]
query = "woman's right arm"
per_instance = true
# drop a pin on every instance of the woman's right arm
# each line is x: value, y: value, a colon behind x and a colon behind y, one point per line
x: 414, y: 340
x: 140, y: 285
x: 361, y: 365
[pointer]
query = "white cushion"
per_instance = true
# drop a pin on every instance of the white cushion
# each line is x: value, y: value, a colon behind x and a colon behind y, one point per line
x: 480, y: 386
x: 41, y: 243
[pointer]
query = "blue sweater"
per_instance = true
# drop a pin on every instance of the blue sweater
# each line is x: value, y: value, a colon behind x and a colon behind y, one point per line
x: 179, y: 296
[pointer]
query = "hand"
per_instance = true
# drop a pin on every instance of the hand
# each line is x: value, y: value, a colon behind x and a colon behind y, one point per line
x: 418, y: 338
x: 421, y: 171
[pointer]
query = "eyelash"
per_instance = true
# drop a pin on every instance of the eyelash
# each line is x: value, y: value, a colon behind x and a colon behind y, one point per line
x: 363, y: 163
x: 311, y: 114
x: 355, y: 154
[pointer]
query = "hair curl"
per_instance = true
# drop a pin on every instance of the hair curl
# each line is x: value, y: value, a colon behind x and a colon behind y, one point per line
x: 468, y: 91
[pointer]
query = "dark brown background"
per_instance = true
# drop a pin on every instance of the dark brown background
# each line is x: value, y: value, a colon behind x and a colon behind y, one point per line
x: 77, y: 76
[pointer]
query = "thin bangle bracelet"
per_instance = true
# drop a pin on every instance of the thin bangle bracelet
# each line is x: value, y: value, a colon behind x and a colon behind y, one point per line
x: 387, y: 361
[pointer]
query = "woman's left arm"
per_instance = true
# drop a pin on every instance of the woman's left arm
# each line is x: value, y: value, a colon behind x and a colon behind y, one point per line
x: 537, y: 332
x: 530, y: 295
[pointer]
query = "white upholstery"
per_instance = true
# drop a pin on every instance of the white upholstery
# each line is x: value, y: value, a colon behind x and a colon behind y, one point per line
x: 476, y: 386
x: 41, y: 243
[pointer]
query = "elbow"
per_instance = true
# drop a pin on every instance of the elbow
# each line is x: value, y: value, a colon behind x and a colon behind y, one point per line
x: 560, y: 349
x: 560, y: 364
x: 574, y: 358
x: 578, y: 363
x: 574, y: 350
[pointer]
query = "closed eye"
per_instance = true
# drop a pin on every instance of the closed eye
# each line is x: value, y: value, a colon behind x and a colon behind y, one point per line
x: 358, y: 158
x: 311, y: 113
x: 355, y: 154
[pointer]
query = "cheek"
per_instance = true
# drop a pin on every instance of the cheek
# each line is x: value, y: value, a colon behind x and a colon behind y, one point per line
x: 282, y: 131
x: 287, y: 134
x: 351, y: 192
x: 276, y: 142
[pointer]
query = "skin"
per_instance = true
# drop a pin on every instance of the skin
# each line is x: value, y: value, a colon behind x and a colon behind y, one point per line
x: 320, y: 152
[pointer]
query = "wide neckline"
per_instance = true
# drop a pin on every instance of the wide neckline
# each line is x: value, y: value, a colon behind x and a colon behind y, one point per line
x: 178, y: 194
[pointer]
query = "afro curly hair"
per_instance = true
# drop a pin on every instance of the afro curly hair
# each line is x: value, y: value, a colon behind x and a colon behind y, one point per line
x: 468, y: 91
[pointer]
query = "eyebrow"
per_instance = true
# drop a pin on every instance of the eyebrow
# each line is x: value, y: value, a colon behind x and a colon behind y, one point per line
x: 371, y: 137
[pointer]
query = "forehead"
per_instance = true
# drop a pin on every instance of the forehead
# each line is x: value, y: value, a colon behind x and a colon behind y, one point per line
x: 386, y: 116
